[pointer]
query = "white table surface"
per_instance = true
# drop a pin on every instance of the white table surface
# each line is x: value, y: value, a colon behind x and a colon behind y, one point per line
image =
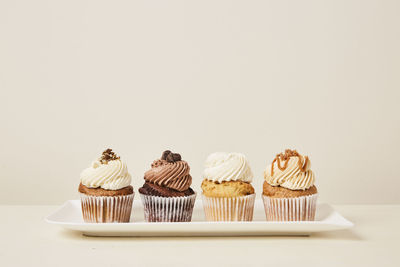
x: 26, y: 240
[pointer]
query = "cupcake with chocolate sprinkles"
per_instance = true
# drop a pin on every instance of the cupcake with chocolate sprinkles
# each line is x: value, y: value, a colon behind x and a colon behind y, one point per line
x: 166, y: 193
x: 106, y: 191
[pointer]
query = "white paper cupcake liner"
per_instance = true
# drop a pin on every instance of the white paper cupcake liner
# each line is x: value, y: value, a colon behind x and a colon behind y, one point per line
x: 106, y: 209
x: 290, y: 209
x: 229, y: 208
x: 168, y: 209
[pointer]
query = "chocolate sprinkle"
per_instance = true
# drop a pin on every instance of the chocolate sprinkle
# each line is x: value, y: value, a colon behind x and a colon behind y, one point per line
x: 108, y: 155
x: 165, y: 154
x: 171, y: 157
x: 177, y: 157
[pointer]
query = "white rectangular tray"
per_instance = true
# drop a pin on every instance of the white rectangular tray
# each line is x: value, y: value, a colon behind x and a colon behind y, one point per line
x: 69, y: 216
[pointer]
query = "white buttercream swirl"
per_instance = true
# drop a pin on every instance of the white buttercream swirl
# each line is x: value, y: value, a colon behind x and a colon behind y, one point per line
x: 292, y: 177
x: 112, y: 176
x: 223, y: 166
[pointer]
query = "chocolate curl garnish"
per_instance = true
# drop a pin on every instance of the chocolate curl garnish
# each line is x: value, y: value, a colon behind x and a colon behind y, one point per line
x: 171, y: 157
x: 108, y: 155
x: 285, y: 157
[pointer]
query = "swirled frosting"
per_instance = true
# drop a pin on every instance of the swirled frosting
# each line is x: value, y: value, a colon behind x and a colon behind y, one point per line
x: 171, y: 174
x: 108, y: 172
x: 290, y: 170
x: 223, y: 166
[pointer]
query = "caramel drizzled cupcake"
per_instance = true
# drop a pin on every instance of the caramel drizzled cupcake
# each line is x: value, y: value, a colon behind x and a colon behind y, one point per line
x: 227, y: 191
x: 105, y: 190
x: 166, y: 193
x: 289, y: 193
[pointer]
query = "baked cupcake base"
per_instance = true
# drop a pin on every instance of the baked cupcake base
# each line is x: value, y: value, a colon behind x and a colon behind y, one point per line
x: 282, y: 204
x: 290, y: 209
x: 106, y: 206
x: 168, y: 209
x: 226, y: 188
x: 229, y: 208
x: 106, y: 209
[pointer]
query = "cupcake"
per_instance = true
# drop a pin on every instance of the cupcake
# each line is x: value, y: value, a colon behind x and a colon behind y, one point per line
x: 289, y: 193
x: 227, y: 192
x: 166, y: 193
x: 105, y: 190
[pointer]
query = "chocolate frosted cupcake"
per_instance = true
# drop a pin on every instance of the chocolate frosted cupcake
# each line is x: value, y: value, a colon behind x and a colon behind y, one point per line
x: 166, y: 193
x: 227, y: 191
x: 106, y: 193
x: 289, y: 193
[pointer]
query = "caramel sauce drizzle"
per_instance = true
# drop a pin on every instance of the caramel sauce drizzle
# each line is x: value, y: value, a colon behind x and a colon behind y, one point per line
x: 285, y: 158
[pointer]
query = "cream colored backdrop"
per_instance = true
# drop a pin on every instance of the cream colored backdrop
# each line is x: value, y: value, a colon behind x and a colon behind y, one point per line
x: 196, y: 77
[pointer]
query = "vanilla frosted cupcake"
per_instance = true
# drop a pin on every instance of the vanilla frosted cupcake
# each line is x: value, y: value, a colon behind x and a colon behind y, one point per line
x: 227, y: 192
x: 289, y: 193
x: 106, y: 193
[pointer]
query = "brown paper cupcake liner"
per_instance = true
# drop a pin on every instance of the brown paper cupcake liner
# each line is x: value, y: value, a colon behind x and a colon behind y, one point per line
x: 168, y: 209
x: 290, y: 209
x: 229, y: 208
x: 106, y: 209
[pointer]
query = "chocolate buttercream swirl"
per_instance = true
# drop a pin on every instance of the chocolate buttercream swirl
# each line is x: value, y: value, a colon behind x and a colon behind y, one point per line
x: 173, y: 174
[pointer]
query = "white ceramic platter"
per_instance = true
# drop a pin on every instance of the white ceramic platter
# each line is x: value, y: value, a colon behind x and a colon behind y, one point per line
x: 69, y: 216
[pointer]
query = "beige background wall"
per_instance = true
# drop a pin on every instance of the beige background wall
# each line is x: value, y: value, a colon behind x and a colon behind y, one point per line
x: 249, y: 76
